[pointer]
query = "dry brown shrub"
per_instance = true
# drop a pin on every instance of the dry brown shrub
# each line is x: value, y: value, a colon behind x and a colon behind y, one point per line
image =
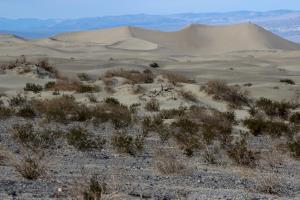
x: 30, y: 167
x: 66, y: 84
x: 152, y: 105
x: 188, y: 95
x: 233, y: 95
x: 167, y: 163
x: 132, y: 76
x: 176, y: 78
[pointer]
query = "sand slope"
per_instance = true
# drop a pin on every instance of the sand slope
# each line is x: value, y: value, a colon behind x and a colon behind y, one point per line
x: 194, y: 39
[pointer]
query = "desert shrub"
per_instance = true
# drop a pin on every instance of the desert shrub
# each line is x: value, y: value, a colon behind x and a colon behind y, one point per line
x: 132, y: 76
x: 112, y: 101
x: 271, y: 108
x: 44, y: 64
x: 242, y: 155
x: 259, y: 126
x: 172, y: 113
x: 233, y: 95
x: 189, y: 96
x: 24, y: 133
x: 92, y: 98
x: 5, y: 112
x: 59, y: 109
x: 30, y: 167
x: 84, y: 77
x: 176, y: 78
x: 35, y: 139
x: 206, y: 119
x: 49, y: 85
x: 167, y: 163
x: 35, y: 88
x: 152, y: 123
x: 186, y: 135
x: 154, y: 65
x: 94, y: 190
x: 295, y: 118
x: 125, y: 143
x: 119, y: 115
x: 26, y: 111
x: 82, y: 88
x: 81, y: 139
x: 17, y: 101
x: 294, y: 147
x: 134, y: 107
x: 255, y: 125
x: 287, y: 81
x: 64, y: 84
x: 152, y: 105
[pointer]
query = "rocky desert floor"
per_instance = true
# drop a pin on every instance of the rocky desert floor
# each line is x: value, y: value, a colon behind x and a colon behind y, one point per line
x: 87, y: 121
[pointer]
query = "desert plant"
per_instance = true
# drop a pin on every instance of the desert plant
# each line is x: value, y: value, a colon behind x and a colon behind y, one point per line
x: 26, y: 111
x: 35, y: 88
x: 30, y: 167
x: 125, y: 143
x: 5, y: 112
x: 154, y: 65
x: 94, y: 190
x: 152, y: 105
x: 17, y: 100
x: 295, y: 118
x: 81, y: 139
x: 271, y: 108
x: 294, y: 147
x: 119, y: 115
x: 240, y: 153
x: 112, y: 101
x: 189, y: 96
x: 82, y: 88
x: 84, y: 77
x: 233, y: 95
x: 132, y: 76
x: 44, y: 64
x: 176, y: 78
x: 167, y: 163
x: 287, y: 81
x: 92, y: 98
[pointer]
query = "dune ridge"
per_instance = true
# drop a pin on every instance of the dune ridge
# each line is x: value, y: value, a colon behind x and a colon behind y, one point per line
x: 194, y: 39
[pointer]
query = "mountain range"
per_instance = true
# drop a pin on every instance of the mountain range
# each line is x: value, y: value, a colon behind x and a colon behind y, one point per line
x: 284, y: 23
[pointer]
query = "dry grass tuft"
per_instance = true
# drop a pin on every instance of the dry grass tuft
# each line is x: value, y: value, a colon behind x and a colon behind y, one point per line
x: 230, y: 94
x: 30, y: 167
x: 167, y: 163
x: 152, y: 105
x: 132, y: 76
x: 176, y: 78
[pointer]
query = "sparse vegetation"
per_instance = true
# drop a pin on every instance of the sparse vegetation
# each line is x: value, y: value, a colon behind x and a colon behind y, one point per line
x: 154, y: 65
x: 94, y: 190
x: 176, y: 78
x: 234, y: 95
x: 188, y: 95
x: 242, y: 155
x: 5, y: 112
x: 152, y: 105
x: 288, y: 81
x: 125, y: 143
x: 81, y: 139
x: 168, y: 163
x: 35, y: 88
x: 30, y: 167
x: 294, y: 147
x: 132, y: 76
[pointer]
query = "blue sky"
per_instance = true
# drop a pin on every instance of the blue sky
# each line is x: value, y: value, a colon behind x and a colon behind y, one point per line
x: 91, y: 8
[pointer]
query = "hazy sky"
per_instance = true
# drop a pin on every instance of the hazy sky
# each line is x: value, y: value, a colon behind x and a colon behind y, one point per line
x: 92, y: 8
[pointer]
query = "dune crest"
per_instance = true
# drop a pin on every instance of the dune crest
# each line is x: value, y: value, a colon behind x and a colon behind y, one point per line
x: 193, y: 40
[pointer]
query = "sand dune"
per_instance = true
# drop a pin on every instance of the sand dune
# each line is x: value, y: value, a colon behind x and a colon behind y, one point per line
x: 194, y: 39
x: 8, y: 38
